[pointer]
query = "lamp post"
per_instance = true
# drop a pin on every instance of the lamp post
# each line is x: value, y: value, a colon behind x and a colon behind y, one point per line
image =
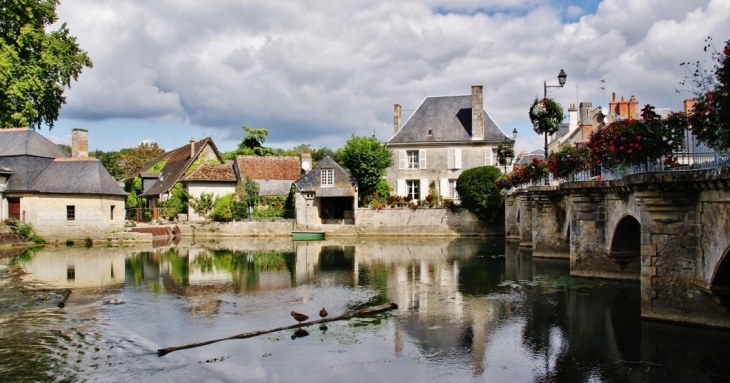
x: 561, y: 81
x: 510, y: 158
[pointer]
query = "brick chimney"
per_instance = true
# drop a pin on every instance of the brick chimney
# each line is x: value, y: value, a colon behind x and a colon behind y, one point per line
x: 477, y: 112
x: 79, y: 143
x: 633, y: 108
x: 572, y: 118
x: 192, y: 147
x: 688, y: 105
x: 397, y: 115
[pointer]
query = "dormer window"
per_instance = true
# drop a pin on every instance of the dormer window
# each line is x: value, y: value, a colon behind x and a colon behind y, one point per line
x: 328, y: 177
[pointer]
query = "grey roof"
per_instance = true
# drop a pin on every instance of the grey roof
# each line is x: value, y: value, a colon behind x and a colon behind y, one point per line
x: 527, y: 158
x: 311, y: 182
x: 18, y: 142
x: 449, y: 120
x: 25, y: 169
x: 274, y: 187
x: 76, y: 176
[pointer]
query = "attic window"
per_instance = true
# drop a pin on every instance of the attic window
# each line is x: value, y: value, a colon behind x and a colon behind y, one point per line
x: 328, y: 177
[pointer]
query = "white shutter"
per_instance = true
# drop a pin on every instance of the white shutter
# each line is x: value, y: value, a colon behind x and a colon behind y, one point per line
x: 401, y: 159
x: 488, y: 160
x: 457, y: 158
x: 451, y: 159
x: 422, y: 159
x: 444, y: 188
x: 401, y: 187
x: 424, y: 188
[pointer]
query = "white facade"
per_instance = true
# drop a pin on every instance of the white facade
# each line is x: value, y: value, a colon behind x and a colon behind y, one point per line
x: 196, y: 188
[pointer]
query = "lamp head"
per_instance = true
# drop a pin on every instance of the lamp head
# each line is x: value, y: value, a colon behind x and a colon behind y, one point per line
x: 514, y: 134
x: 562, y: 77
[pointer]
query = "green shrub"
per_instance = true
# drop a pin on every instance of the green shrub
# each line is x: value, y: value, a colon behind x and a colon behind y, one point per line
x: 268, y: 212
x: 223, y: 208
x: 69, y: 242
x: 24, y: 230
x: 240, y: 210
x: 478, y: 192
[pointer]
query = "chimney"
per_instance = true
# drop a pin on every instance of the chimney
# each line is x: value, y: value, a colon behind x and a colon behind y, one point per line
x: 572, y: 118
x: 623, y: 108
x: 397, y: 114
x: 613, y: 105
x: 688, y: 105
x: 633, y: 108
x: 192, y: 147
x: 307, y: 162
x: 477, y: 112
x: 585, y: 113
x: 79, y: 143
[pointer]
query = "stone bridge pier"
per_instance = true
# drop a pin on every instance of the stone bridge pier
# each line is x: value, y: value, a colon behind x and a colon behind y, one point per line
x: 668, y: 231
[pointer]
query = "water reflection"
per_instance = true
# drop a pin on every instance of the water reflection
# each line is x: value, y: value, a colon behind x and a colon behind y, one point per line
x: 470, y: 310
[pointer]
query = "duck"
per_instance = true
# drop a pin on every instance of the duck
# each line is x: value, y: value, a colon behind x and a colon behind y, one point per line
x: 323, y: 312
x: 299, y: 316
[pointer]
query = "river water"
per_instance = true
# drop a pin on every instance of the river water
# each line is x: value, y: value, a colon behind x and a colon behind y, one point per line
x: 469, y: 310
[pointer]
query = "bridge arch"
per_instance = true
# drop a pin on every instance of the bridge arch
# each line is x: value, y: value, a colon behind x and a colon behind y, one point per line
x: 626, y: 244
x: 720, y: 283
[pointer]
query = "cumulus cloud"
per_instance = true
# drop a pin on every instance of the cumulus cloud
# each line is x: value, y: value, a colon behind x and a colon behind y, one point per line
x: 317, y: 71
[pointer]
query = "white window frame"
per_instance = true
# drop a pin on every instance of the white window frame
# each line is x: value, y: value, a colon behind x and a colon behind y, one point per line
x: 412, y: 159
x: 413, y: 189
x: 453, y: 194
x: 327, y: 177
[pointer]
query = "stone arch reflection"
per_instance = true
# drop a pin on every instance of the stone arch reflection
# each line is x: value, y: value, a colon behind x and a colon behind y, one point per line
x: 626, y: 244
x: 720, y: 283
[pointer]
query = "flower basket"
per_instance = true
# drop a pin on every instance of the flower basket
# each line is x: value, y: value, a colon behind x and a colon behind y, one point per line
x: 569, y: 160
x: 546, y: 116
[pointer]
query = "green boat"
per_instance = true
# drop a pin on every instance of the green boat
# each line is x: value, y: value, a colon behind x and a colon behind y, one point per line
x: 307, y: 235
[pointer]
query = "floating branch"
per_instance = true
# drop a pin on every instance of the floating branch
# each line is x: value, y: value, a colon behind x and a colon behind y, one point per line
x: 359, y: 313
x: 64, y: 298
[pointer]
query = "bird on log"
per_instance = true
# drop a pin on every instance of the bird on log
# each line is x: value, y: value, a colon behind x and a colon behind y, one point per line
x: 299, y: 316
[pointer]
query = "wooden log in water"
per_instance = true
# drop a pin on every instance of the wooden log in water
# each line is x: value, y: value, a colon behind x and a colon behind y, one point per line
x: 359, y: 313
x: 64, y: 298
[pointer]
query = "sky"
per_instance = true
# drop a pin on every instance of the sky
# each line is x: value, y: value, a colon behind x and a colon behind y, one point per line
x: 315, y: 72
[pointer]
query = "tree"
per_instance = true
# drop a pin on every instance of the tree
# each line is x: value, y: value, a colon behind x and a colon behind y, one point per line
x: 248, y: 192
x: 478, y: 193
x: 203, y: 204
x: 366, y: 159
x: 110, y: 160
x: 710, y: 118
x: 133, y: 159
x: 252, y: 144
x: 36, y: 63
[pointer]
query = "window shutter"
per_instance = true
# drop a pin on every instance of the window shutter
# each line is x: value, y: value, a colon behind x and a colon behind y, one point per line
x: 457, y: 158
x: 401, y: 159
x: 488, y: 157
x: 424, y: 188
x: 451, y: 159
x: 444, y: 185
x: 401, y: 187
x: 422, y: 159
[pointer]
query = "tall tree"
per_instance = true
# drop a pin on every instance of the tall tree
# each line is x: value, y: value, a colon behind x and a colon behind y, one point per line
x: 36, y: 63
x: 133, y: 159
x: 367, y: 160
x: 254, y: 141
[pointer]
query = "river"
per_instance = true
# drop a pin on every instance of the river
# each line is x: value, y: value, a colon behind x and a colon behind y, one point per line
x: 469, y: 310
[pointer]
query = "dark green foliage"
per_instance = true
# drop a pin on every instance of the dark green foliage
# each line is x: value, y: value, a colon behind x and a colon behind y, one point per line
x: 37, y: 63
x: 366, y: 159
x: 223, y: 208
x: 324, y: 152
x: 177, y: 202
x: 24, y: 230
x: 250, y: 191
x: 240, y: 210
x: 478, y: 192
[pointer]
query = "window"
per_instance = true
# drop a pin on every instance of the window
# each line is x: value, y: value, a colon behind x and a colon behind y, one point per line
x: 71, y: 273
x: 328, y: 177
x: 452, y: 189
x: 412, y: 189
x: 454, y: 158
x: 412, y: 159
x: 111, y: 215
x: 70, y: 212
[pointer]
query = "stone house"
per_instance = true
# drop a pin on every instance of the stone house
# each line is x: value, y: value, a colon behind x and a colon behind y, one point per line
x: 443, y: 137
x: 217, y: 179
x: 326, y: 195
x: 161, y: 174
x: 61, y: 195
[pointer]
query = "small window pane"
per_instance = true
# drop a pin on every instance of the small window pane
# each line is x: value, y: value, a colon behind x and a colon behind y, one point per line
x: 413, y: 159
x: 328, y: 177
x: 70, y: 212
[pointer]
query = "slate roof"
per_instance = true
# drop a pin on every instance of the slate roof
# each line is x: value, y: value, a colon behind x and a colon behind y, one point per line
x: 274, y: 187
x: 449, y: 120
x: 268, y: 167
x: 25, y: 169
x: 23, y: 141
x: 311, y: 182
x: 526, y: 158
x: 76, y: 176
x: 177, y: 161
x: 211, y: 172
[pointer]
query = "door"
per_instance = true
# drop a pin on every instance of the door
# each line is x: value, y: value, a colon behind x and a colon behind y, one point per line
x: 14, y: 208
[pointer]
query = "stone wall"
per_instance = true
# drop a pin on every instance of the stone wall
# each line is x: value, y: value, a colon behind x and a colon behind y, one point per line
x: 422, y: 221
x: 93, y: 215
x: 251, y: 228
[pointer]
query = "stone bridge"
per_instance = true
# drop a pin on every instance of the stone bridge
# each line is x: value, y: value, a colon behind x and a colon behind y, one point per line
x: 670, y: 231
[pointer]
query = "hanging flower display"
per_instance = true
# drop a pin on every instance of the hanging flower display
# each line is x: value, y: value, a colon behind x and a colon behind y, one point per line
x: 569, y: 160
x: 546, y: 116
x: 633, y: 142
x: 502, y: 183
x: 528, y: 174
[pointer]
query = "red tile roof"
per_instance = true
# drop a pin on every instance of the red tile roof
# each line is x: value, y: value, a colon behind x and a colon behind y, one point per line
x: 269, y: 168
x: 211, y: 172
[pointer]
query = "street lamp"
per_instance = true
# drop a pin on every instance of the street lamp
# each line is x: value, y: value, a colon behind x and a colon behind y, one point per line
x: 561, y: 81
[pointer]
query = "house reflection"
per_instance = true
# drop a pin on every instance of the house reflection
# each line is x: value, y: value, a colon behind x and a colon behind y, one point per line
x: 74, y: 267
